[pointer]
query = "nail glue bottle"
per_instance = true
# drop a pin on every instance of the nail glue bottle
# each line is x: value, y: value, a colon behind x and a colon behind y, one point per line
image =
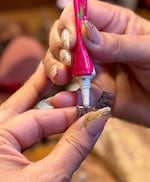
x: 82, y: 67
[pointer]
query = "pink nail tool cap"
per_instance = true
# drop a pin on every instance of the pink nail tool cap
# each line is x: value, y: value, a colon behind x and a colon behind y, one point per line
x: 82, y: 64
x: 82, y: 67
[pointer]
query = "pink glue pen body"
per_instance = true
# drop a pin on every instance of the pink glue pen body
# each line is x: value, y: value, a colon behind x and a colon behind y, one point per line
x: 82, y: 67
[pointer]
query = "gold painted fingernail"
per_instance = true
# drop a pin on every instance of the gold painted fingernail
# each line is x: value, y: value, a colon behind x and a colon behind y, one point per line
x: 65, y: 39
x: 95, y: 121
x: 53, y: 71
x: 65, y: 57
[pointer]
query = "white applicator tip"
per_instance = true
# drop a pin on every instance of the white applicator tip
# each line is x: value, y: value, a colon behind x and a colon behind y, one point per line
x: 85, y: 97
x: 85, y: 89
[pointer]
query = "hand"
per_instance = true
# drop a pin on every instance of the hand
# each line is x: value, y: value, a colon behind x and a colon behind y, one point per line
x: 118, y: 43
x: 21, y: 127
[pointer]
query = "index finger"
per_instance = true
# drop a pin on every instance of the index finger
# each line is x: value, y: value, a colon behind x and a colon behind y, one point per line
x: 24, y: 130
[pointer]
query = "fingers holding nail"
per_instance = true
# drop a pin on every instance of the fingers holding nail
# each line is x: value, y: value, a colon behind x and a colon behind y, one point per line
x: 65, y: 54
x: 56, y: 71
x: 51, y: 65
x: 60, y: 75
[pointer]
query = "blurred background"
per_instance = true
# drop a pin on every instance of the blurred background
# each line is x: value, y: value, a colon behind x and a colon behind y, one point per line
x: 36, y: 17
x: 24, y: 30
x: 30, y: 21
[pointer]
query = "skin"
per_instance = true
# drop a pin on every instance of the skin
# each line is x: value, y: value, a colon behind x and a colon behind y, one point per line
x: 21, y: 126
x: 121, y: 59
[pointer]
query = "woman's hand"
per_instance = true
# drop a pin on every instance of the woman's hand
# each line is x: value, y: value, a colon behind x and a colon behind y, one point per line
x: 118, y: 42
x: 21, y: 127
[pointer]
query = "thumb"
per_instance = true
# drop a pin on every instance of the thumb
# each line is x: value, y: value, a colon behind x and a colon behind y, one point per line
x: 111, y: 47
x: 77, y: 142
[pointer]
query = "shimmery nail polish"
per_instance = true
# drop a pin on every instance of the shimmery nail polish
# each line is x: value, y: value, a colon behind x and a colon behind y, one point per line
x: 53, y: 71
x: 65, y: 57
x: 65, y: 39
x: 95, y: 121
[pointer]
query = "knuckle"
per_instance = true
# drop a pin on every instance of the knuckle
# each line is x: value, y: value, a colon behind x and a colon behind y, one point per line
x: 80, y: 147
x: 119, y: 48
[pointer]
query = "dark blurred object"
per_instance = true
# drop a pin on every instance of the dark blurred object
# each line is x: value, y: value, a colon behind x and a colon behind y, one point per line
x: 3, y: 45
x: 131, y: 4
x: 21, y: 4
x: 147, y: 3
x: 106, y: 100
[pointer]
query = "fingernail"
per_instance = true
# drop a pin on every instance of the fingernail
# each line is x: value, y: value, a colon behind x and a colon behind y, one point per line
x: 53, y: 72
x: 92, y: 32
x: 65, y: 57
x: 95, y: 121
x: 48, y: 101
x: 65, y: 39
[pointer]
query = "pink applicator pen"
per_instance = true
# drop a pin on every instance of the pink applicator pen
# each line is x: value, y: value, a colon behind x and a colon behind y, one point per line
x: 82, y: 67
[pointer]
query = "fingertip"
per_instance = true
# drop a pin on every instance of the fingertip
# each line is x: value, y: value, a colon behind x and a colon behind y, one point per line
x: 58, y: 73
x: 62, y: 75
x: 63, y: 99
